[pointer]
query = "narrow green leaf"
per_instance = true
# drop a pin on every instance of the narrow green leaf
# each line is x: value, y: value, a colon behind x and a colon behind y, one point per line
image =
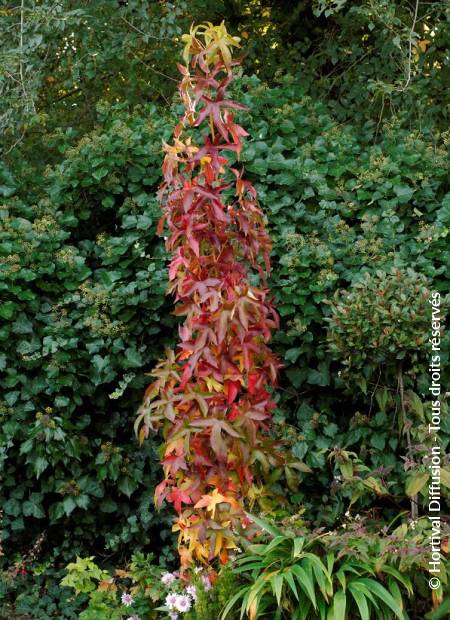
x: 381, y: 592
x: 231, y: 603
x: 306, y: 583
x: 298, y: 546
x: 276, y: 581
x: 339, y: 605
x: 290, y: 579
x: 265, y: 525
x: 404, y: 579
x: 360, y: 601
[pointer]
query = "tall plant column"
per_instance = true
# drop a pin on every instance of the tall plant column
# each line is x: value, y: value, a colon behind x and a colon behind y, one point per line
x: 211, y: 397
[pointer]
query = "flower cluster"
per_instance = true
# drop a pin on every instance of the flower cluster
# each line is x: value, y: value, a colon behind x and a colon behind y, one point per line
x: 181, y: 597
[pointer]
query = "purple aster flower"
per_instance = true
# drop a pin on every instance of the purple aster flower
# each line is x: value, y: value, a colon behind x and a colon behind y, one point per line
x: 168, y: 578
x: 183, y: 603
x: 171, y: 600
x: 127, y: 599
x: 192, y: 591
x: 173, y: 615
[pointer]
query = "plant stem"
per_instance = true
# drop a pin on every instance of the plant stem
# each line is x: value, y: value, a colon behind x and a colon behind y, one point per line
x: 406, y: 425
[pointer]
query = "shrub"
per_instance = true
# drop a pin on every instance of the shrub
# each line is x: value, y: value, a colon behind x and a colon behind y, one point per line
x: 83, y: 313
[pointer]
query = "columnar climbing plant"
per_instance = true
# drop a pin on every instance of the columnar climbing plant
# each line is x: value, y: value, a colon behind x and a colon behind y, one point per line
x: 212, y: 396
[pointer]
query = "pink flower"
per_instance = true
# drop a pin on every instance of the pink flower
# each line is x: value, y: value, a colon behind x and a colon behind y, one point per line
x: 206, y: 583
x: 173, y: 615
x: 134, y: 618
x: 168, y: 578
x: 183, y: 603
x: 171, y: 600
x: 192, y: 591
x: 127, y: 599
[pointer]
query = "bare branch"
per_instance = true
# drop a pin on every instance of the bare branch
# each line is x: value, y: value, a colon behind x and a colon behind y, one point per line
x: 409, y: 64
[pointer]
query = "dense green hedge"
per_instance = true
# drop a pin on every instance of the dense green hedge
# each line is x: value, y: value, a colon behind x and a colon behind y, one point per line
x: 343, y: 201
x: 84, y: 313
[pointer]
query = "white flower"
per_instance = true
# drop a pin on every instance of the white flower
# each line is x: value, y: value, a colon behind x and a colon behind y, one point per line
x: 127, y: 600
x: 168, y: 578
x: 173, y: 615
x: 171, y: 600
x: 192, y: 591
x: 183, y: 603
x: 134, y: 618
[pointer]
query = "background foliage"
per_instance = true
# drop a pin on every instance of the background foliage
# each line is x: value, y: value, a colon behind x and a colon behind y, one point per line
x: 348, y: 150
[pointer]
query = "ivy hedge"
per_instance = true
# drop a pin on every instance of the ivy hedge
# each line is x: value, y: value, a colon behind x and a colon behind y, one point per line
x: 84, y: 314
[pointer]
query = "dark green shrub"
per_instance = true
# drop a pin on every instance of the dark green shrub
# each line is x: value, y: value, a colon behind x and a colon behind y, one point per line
x: 382, y: 320
x: 342, y: 201
x: 83, y: 316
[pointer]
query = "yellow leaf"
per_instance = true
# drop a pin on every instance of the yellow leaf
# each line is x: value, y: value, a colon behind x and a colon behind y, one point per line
x: 142, y: 435
x: 218, y: 543
x: 415, y: 483
x: 213, y: 384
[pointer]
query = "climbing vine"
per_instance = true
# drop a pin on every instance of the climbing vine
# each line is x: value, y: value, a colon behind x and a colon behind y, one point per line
x: 212, y: 397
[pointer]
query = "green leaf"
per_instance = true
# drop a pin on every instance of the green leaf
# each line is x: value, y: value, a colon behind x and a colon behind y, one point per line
x: 306, y: 583
x: 380, y: 591
x: 7, y: 309
x: 33, y: 507
x: 12, y: 507
x: 290, y: 579
x: 320, y: 376
x: 40, y: 464
x: 68, y: 505
x: 291, y: 355
x: 265, y: 525
x: 258, y: 165
x: 404, y: 193
x: 134, y: 358
x: 360, y: 601
x: 276, y: 581
x: 108, y: 505
x: 339, y: 605
x: 99, y: 173
x: 441, y: 613
x: 126, y: 485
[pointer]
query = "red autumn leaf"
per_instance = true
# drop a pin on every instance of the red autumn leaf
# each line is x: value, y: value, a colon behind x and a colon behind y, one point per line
x: 174, y: 462
x: 252, y: 381
x: 233, y: 413
x: 231, y: 389
x: 178, y: 497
